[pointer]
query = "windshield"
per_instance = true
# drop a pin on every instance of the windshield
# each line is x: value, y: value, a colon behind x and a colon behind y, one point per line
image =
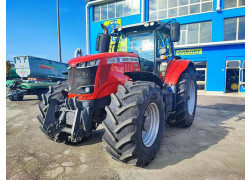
x: 142, y: 44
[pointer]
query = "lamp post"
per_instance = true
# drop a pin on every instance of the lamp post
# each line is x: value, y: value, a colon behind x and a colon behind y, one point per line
x: 58, y: 31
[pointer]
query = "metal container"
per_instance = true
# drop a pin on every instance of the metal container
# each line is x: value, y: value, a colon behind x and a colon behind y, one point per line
x: 34, y: 67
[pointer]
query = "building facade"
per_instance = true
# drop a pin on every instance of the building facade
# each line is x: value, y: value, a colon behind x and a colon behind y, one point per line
x: 212, y: 34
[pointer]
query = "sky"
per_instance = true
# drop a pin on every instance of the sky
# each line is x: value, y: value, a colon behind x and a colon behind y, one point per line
x: 31, y: 28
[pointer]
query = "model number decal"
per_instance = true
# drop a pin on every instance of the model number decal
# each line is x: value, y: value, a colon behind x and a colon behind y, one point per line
x: 122, y: 59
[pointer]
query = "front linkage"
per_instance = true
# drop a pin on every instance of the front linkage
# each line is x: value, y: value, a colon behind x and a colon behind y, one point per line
x: 66, y: 119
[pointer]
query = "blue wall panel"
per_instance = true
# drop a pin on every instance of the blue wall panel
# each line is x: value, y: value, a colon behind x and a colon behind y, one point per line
x: 215, y: 56
x: 95, y: 28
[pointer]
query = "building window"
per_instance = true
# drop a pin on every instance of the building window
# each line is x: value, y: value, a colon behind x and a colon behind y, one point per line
x: 116, y: 9
x: 201, y: 74
x: 242, y: 75
x: 195, y: 33
x: 162, y: 9
x: 234, y: 29
x: 233, y: 3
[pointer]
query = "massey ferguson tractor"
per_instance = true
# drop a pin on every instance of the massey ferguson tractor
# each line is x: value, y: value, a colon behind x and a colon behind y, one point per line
x: 132, y: 87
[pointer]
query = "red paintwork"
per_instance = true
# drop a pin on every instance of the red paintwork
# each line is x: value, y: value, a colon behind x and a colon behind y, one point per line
x: 44, y: 66
x: 108, y: 76
x: 75, y: 61
x: 174, y: 70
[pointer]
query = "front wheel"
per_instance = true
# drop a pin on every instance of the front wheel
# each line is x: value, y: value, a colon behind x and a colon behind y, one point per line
x: 186, y: 99
x: 134, y: 123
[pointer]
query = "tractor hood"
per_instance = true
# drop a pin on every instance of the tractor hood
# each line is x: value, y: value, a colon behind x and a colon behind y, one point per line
x: 75, y: 61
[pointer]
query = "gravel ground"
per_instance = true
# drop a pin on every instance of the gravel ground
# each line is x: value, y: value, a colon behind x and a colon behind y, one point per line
x: 213, y: 148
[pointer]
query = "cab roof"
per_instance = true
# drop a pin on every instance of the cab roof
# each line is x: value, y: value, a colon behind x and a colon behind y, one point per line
x: 150, y: 25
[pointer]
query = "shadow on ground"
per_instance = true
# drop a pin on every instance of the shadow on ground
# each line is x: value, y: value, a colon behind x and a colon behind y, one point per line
x: 95, y: 137
x: 208, y: 129
x: 179, y: 144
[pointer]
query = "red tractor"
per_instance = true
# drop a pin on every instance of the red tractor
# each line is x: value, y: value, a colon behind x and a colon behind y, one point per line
x: 132, y: 87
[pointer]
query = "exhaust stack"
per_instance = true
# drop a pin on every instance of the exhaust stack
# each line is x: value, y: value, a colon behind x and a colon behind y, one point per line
x: 103, y: 41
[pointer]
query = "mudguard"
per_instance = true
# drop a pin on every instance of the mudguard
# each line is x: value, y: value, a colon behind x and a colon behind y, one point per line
x: 174, y: 70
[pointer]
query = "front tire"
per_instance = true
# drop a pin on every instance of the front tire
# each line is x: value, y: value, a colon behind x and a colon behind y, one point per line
x: 134, y: 123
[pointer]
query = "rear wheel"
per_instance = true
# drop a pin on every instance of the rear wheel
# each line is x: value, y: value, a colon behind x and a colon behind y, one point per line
x: 186, y: 99
x: 134, y: 123
x: 11, y: 98
x: 16, y: 97
x: 20, y: 97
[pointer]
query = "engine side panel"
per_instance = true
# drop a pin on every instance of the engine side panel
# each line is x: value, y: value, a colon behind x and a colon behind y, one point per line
x: 174, y: 70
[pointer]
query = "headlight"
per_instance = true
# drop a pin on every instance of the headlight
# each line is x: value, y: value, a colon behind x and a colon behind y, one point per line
x: 91, y: 63
x: 87, y: 89
x: 152, y: 23
x: 81, y: 65
x: 88, y: 64
x: 146, y: 24
x: 162, y: 51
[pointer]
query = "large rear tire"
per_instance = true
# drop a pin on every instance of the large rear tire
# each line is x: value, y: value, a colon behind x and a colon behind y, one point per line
x: 134, y: 123
x: 186, y: 99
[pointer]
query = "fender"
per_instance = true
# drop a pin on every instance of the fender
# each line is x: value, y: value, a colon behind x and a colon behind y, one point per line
x: 145, y: 76
x: 174, y: 70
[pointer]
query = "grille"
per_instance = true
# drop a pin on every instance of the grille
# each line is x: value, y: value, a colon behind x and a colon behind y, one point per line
x: 79, y: 77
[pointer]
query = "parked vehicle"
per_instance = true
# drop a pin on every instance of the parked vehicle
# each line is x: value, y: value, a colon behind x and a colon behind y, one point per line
x: 131, y: 91
x: 34, y: 76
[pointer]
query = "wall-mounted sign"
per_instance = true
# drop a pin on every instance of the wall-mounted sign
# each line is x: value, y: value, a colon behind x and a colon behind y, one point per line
x: 111, y: 25
x: 188, y: 52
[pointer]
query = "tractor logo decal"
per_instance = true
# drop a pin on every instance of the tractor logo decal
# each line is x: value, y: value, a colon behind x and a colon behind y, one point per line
x: 122, y: 59
x: 46, y: 66
x: 111, y: 61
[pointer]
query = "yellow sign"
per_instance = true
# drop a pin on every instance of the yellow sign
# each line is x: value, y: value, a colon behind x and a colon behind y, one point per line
x: 188, y: 52
x: 111, y: 25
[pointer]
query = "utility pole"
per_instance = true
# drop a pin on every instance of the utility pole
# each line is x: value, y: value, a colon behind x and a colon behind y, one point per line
x: 58, y: 31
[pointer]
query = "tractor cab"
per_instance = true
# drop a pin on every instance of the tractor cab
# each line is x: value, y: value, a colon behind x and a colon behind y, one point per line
x: 151, y: 41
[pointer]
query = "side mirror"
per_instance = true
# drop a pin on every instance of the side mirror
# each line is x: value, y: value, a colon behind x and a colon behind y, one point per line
x: 175, y: 31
